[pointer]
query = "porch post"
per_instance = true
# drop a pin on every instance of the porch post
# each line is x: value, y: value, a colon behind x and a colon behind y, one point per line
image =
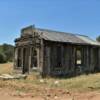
x: 99, y: 59
x: 22, y: 59
x: 30, y: 59
x: 41, y: 69
x: 38, y: 58
x: 87, y: 58
x: 15, y: 57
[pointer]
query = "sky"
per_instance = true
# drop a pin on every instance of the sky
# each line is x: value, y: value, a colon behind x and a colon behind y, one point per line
x: 74, y: 16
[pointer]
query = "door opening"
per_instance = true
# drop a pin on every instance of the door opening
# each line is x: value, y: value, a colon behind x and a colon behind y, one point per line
x: 25, y: 60
x: 34, y: 58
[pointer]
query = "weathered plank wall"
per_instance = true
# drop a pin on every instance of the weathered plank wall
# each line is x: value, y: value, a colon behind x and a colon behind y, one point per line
x: 68, y: 59
x: 51, y: 61
x: 55, y: 58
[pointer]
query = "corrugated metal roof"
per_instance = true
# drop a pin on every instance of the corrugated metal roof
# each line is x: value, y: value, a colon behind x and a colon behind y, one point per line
x: 66, y: 37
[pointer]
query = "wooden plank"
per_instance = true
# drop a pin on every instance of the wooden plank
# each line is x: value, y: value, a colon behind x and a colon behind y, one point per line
x: 22, y: 58
x: 41, y: 68
x: 47, y: 60
x: 30, y: 57
x: 38, y: 57
x: 16, y: 57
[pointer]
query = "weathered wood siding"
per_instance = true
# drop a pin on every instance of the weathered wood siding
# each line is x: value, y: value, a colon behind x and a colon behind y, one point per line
x: 51, y: 61
x: 55, y: 58
x: 98, y: 59
x: 90, y: 56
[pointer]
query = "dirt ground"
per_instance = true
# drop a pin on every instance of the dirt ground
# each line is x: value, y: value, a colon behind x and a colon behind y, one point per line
x: 6, y: 94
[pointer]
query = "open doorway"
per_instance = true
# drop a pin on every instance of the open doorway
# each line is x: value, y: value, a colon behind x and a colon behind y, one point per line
x: 19, y: 64
x: 34, y: 59
x: 25, y: 60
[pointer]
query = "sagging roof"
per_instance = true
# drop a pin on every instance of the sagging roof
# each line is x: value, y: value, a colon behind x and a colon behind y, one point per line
x: 57, y: 36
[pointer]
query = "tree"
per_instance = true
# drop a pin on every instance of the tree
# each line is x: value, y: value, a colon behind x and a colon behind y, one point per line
x: 98, y: 38
x: 8, y: 51
x: 3, y: 58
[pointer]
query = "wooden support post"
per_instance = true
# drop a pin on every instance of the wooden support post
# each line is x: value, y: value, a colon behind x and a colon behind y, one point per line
x: 62, y: 57
x: 99, y: 59
x: 87, y: 58
x: 66, y: 59
x: 47, y: 59
x: 22, y: 58
x: 30, y: 54
x: 38, y: 58
x: 91, y: 60
x: 41, y: 68
x: 72, y: 59
x: 16, y: 57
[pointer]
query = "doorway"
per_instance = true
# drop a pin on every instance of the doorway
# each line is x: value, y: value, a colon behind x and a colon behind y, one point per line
x: 25, y: 60
x: 34, y: 58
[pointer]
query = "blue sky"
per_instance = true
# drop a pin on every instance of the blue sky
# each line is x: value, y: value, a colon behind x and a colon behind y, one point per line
x: 75, y: 16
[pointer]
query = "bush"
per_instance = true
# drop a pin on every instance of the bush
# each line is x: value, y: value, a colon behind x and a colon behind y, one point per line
x: 98, y: 38
x: 6, y: 53
x: 3, y: 58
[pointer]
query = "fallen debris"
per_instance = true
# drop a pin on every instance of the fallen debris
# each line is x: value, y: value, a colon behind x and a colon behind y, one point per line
x: 9, y: 77
x: 41, y: 81
x: 56, y: 82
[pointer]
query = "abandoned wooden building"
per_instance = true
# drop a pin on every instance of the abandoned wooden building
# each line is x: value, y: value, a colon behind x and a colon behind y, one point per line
x: 55, y: 53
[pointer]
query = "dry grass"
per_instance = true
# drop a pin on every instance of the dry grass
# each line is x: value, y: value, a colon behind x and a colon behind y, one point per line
x: 33, y: 83
x: 6, y: 68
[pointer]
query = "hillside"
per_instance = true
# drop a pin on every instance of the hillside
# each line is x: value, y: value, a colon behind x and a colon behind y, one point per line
x: 6, y: 53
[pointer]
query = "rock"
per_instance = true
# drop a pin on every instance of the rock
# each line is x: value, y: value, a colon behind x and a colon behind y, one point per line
x: 9, y: 77
x: 56, y: 97
x: 56, y: 82
x: 41, y: 81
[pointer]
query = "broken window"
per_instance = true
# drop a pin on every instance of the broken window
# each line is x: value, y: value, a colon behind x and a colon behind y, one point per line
x: 79, y: 60
x: 78, y: 56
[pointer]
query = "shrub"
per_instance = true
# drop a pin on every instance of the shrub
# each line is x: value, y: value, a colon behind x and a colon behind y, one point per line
x: 3, y: 58
x: 6, y: 53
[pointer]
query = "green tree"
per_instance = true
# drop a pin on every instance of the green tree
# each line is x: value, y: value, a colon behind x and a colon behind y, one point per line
x: 6, y: 53
x: 3, y: 58
x: 98, y: 38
